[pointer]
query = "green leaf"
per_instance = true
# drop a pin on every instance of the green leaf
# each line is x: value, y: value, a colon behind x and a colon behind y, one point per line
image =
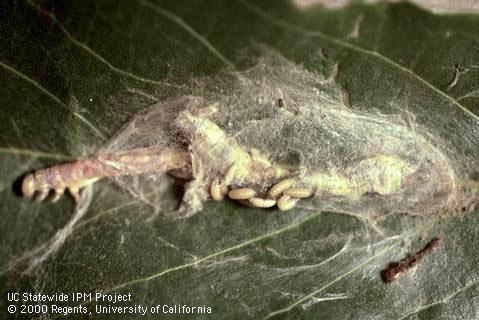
x: 73, y: 72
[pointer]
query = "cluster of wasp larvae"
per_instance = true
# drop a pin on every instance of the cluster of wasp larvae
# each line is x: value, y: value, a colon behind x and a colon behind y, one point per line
x: 283, y: 194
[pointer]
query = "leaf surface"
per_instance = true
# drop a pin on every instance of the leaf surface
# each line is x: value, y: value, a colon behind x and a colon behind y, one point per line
x: 73, y: 72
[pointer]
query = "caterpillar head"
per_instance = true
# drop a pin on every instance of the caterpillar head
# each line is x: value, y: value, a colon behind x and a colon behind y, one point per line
x: 28, y: 185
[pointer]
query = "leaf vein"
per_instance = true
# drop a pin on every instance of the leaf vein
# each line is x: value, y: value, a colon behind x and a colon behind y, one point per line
x: 189, y: 29
x: 95, y: 55
x: 53, y: 97
x: 216, y: 254
x: 330, y: 283
x: 286, y: 25
x: 442, y: 301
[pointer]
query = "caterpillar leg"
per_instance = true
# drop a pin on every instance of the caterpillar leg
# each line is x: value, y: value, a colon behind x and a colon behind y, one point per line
x: 58, y: 193
x: 75, y: 193
x: 42, y: 194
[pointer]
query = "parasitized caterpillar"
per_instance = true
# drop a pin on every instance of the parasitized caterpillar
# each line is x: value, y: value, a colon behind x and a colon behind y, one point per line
x: 230, y: 138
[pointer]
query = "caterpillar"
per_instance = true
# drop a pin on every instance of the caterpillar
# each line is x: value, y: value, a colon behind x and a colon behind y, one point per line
x: 238, y: 142
x: 78, y: 174
x: 246, y: 176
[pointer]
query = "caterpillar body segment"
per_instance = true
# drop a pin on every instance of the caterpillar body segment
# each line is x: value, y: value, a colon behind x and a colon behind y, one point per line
x: 380, y: 174
x: 213, y: 145
x: 237, y: 164
x: 72, y: 176
x: 210, y: 141
x: 147, y: 161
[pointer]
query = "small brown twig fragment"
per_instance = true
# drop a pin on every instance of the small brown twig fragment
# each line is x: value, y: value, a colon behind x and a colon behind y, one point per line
x: 394, y: 269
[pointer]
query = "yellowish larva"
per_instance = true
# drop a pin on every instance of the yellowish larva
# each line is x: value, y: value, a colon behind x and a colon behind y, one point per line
x: 278, y: 188
x: 262, y: 203
x: 242, y: 193
x: 287, y: 203
x: 298, y: 192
